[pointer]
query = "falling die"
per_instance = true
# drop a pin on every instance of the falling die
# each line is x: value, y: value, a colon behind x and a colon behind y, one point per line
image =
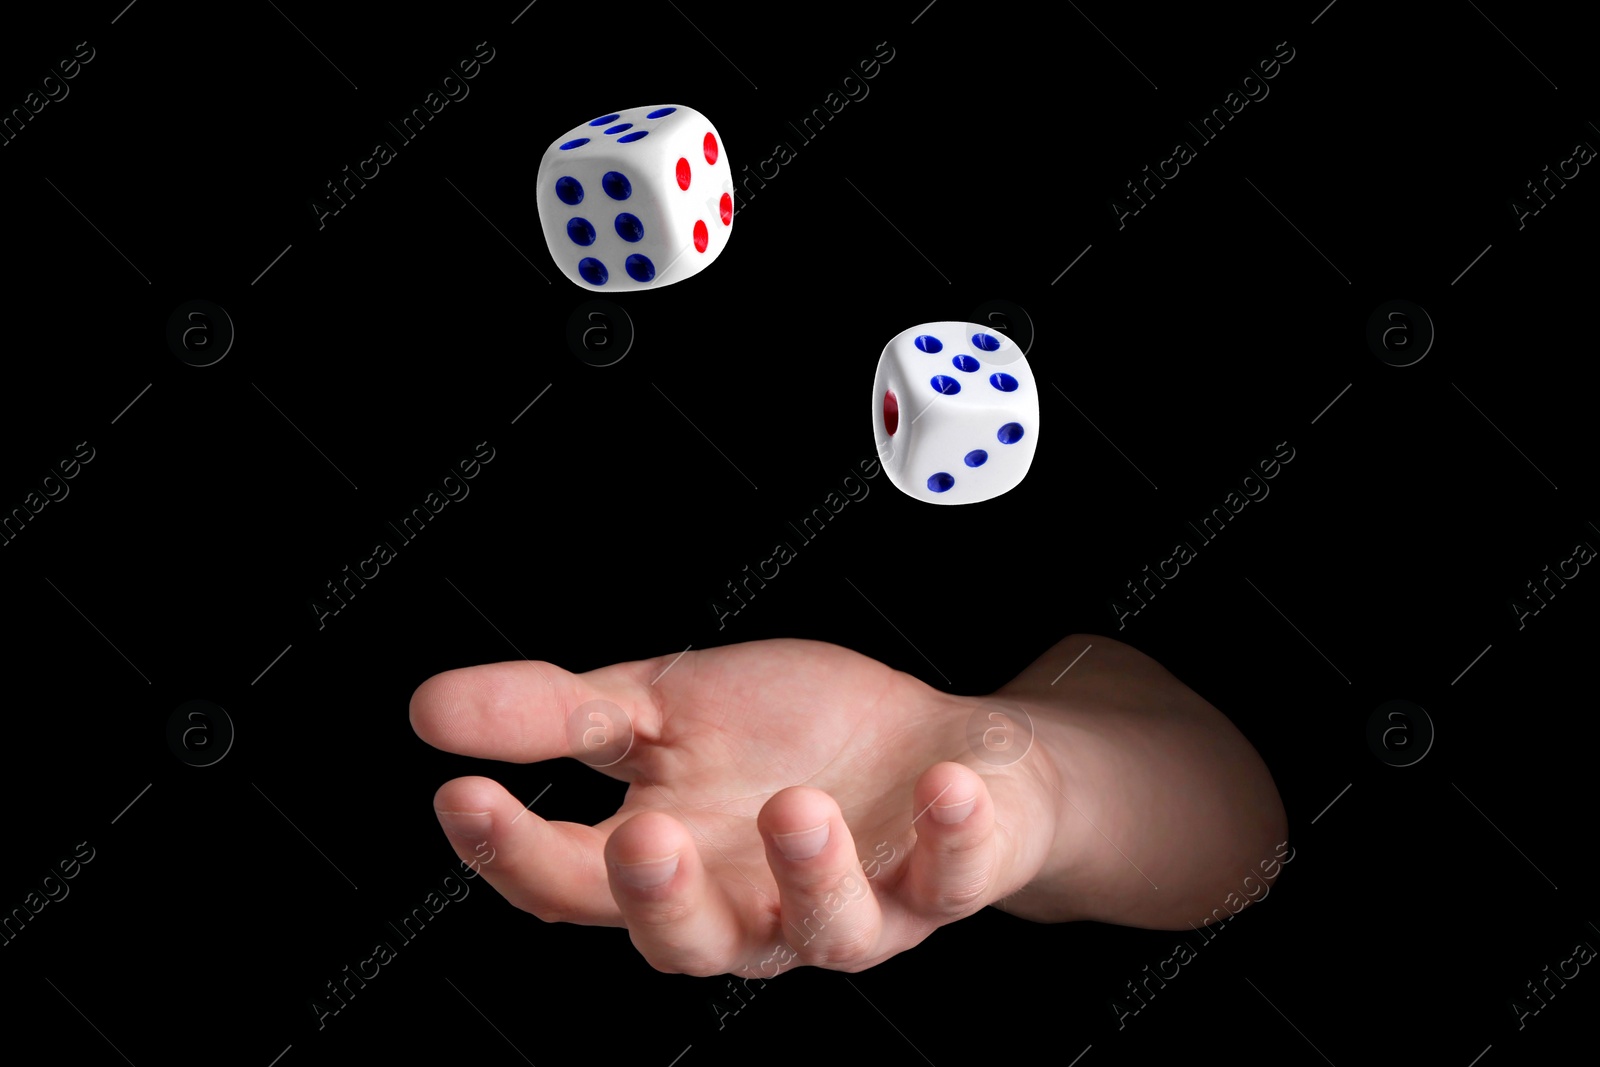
x: 636, y: 199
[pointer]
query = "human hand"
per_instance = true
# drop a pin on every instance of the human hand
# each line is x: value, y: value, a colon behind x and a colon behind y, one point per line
x: 795, y: 801
x: 788, y: 801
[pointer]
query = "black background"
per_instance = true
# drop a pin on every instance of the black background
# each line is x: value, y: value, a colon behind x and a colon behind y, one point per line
x: 380, y: 349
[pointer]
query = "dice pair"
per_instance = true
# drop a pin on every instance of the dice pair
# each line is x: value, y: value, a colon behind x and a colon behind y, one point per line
x: 636, y: 199
x: 642, y: 198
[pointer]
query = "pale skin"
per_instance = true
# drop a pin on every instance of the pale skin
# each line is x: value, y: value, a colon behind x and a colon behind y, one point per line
x: 763, y: 776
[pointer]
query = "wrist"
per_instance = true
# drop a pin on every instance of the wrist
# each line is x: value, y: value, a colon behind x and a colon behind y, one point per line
x: 1159, y: 803
x: 1012, y: 744
x: 1046, y: 894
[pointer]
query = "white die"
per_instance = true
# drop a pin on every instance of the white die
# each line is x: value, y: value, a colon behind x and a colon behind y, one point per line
x: 955, y: 412
x: 636, y: 199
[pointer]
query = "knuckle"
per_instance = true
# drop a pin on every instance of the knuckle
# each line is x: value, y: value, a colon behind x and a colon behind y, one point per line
x: 813, y: 886
x: 962, y: 895
x: 662, y: 914
x: 840, y: 948
x: 546, y: 911
x: 680, y: 959
x: 703, y: 967
x: 661, y: 964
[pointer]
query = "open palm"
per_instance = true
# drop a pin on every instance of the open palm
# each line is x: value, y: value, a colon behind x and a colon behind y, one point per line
x: 789, y: 801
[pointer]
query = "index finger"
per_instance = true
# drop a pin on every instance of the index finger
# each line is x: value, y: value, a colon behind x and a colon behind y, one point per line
x: 529, y: 710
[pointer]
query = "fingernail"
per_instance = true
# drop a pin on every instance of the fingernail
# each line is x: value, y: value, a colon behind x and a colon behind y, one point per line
x: 802, y: 844
x: 949, y: 814
x: 469, y: 826
x: 650, y: 873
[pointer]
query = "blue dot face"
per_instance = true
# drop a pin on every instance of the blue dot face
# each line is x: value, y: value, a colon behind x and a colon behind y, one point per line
x: 1010, y: 433
x: 603, y: 119
x: 616, y: 185
x: 581, y: 232
x: 629, y: 138
x: 629, y: 228
x: 928, y: 344
x: 977, y: 457
x: 661, y: 112
x: 1003, y: 382
x: 593, y: 271
x: 570, y: 145
x: 985, y: 342
x: 966, y: 363
x: 621, y: 127
x: 569, y: 191
x: 640, y: 269
x: 946, y: 385
x: 940, y: 483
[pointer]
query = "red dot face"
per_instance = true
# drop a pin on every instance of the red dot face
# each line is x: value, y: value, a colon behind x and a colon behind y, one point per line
x: 683, y: 174
x: 711, y: 148
x: 701, y: 236
x: 725, y: 208
x: 891, y: 413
